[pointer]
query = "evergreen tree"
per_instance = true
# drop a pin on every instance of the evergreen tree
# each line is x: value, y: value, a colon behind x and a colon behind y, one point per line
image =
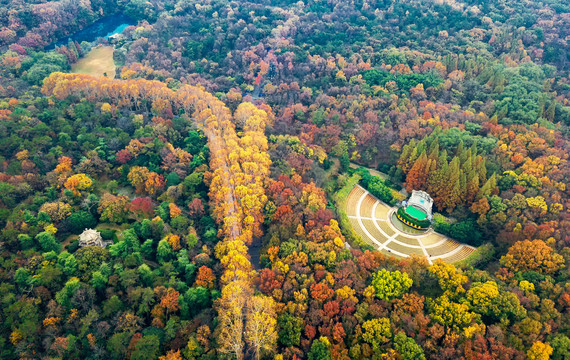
x: 488, y: 188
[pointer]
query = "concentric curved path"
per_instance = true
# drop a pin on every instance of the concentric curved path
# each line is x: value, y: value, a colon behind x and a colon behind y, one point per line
x: 370, y: 218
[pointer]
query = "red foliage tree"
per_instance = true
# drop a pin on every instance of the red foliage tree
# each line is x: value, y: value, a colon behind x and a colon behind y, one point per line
x: 142, y: 206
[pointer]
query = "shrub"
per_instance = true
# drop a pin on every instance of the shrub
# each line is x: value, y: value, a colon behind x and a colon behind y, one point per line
x: 108, y: 234
x: 376, y: 185
x: 466, y: 231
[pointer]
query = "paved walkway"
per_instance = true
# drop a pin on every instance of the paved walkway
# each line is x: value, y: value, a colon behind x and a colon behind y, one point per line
x: 388, y: 238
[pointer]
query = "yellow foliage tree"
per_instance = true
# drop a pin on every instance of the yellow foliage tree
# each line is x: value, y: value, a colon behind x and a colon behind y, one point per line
x: 260, y: 332
x: 57, y: 210
x: 78, y: 183
x: 64, y: 165
x: 539, y: 351
x: 450, y: 281
x: 481, y: 296
x: 532, y: 256
x: 230, y: 318
x: 106, y: 107
x: 450, y: 314
x: 537, y: 203
x: 173, y: 241
x: 377, y: 332
x: 138, y: 176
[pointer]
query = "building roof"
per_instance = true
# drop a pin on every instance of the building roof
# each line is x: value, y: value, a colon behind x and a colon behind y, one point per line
x: 91, y: 237
x: 421, y: 201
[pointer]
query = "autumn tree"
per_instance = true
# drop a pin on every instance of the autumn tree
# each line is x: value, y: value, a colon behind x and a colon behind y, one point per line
x: 57, y: 211
x: 113, y: 208
x: 171, y: 355
x: 64, y: 165
x: 231, y: 312
x: 481, y: 296
x: 260, y: 329
x: 532, y: 256
x: 205, y: 277
x: 78, y: 183
x: 450, y: 280
x: 389, y: 285
x: 377, y: 332
x: 169, y: 300
x: 154, y: 183
x: 142, y: 206
x: 539, y: 351
x: 450, y: 314
x: 138, y: 176
x: 174, y: 210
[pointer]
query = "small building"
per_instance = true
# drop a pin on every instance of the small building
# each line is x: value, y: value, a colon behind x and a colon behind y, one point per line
x: 90, y: 237
x: 417, y: 211
x: 420, y: 200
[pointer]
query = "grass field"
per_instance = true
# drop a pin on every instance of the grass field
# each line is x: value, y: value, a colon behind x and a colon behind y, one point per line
x: 341, y: 202
x: 98, y: 62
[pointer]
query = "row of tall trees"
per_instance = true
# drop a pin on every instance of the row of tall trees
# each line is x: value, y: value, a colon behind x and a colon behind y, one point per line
x: 461, y: 181
x: 240, y: 168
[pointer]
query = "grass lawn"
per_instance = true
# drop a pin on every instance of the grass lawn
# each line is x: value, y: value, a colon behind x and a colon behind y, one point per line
x: 99, y: 61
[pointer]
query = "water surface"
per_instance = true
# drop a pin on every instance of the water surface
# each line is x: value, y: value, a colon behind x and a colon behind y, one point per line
x: 105, y: 28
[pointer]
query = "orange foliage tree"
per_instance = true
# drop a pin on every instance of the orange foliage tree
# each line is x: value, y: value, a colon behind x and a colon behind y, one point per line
x: 532, y: 256
x: 78, y: 183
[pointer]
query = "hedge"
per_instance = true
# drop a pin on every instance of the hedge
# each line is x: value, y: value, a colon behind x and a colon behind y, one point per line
x: 467, y: 231
x: 377, y: 186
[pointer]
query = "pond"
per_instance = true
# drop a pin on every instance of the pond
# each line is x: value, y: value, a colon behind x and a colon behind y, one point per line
x: 105, y: 27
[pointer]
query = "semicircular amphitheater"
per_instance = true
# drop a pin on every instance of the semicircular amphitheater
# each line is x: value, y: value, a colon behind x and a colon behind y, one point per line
x: 378, y: 225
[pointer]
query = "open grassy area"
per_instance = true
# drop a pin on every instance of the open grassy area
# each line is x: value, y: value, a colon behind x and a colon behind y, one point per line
x: 109, y: 226
x: 98, y: 62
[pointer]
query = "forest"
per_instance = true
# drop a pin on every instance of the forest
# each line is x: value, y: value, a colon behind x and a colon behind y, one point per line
x: 216, y: 169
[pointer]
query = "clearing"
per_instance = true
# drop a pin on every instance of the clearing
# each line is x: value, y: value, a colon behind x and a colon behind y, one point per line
x: 98, y: 62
